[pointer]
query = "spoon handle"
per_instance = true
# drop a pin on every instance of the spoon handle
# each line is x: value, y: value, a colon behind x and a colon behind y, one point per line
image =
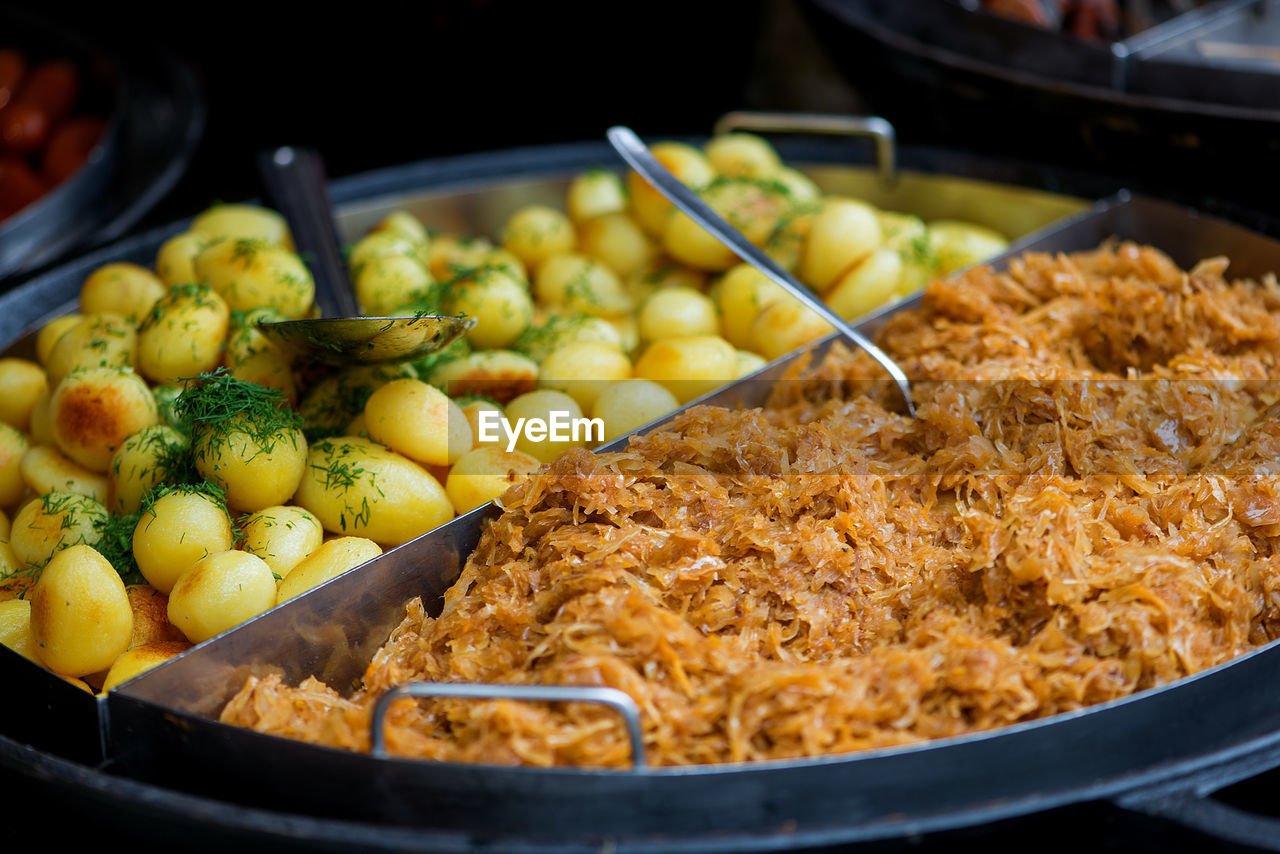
x: 295, y: 182
x: 639, y: 158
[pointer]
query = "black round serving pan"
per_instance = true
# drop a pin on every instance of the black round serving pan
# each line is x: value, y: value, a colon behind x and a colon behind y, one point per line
x: 155, y: 117
x: 1166, y: 146
x: 1157, y: 753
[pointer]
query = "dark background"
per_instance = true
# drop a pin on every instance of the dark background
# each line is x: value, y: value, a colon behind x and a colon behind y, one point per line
x: 375, y: 85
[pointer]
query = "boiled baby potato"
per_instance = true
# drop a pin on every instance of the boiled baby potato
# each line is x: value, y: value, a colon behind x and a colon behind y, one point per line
x: 419, y: 421
x: 183, y: 335
x: 252, y: 357
x: 176, y: 260
x: 356, y: 486
x: 51, y: 332
x: 21, y: 384
x: 688, y: 367
x: 219, y: 592
x: 677, y: 312
x: 630, y: 404
x: 96, y: 341
x: 784, y: 326
x: 46, y: 469
x: 54, y: 522
x: 387, y: 284
x: 282, y: 536
x: 13, y: 447
x: 404, y: 224
x: 497, y: 374
x: 743, y: 155
x: 578, y: 284
x: 959, y: 244
x: 251, y: 274
x: 499, y: 302
x: 257, y: 464
x: 842, y: 234
x: 596, y: 192
x: 123, y: 288
x: 536, y: 232
x: 687, y: 163
x: 80, y: 614
x: 340, y: 397
x: 483, y: 475
x: 385, y: 244
x: 143, y: 461
x: 740, y: 296
x: 582, y: 369
x: 540, y: 341
x: 93, y: 411
x: 618, y: 241
x: 231, y: 222
x: 15, y: 628
x: 139, y: 659
x: 176, y: 530
x: 538, y: 417
x: 869, y: 285
x: 328, y: 561
x: 474, y: 409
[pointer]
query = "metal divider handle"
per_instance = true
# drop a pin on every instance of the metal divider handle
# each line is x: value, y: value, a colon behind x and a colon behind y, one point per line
x: 1188, y: 800
x: 617, y: 700
x: 880, y: 130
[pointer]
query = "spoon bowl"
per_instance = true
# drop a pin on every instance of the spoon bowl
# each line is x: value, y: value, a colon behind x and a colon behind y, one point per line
x: 296, y: 185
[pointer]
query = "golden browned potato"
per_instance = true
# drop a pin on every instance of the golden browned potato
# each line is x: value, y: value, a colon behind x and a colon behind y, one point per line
x: 51, y: 332
x: 139, y: 659
x: 80, y: 614
x: 499, y: 374
x: 150, y: 616
x: 15, y: 628
x: 687, y: 163
x: 94, y: 410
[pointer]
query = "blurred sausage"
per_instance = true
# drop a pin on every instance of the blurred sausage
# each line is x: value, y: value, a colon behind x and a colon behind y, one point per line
x: 13, y: 65
x: 19, y: 186
x: 46, y: 97
x: 69, y: 147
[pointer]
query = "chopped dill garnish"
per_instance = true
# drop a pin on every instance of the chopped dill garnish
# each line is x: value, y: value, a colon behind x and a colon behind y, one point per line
x: 215, y: 404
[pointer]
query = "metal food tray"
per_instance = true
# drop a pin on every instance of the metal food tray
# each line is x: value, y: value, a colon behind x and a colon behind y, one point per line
x: 1158, y: 750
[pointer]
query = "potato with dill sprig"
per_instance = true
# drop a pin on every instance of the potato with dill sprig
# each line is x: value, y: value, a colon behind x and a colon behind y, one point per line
x: 244, y: 438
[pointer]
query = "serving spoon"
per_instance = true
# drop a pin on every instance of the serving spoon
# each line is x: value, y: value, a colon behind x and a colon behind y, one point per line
x: 639, y: 158
x: 295, y: 183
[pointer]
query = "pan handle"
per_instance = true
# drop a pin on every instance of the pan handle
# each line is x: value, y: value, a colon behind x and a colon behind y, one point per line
x: 819, y: 123
x: 619, y: 701
x: 1188, y: 800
